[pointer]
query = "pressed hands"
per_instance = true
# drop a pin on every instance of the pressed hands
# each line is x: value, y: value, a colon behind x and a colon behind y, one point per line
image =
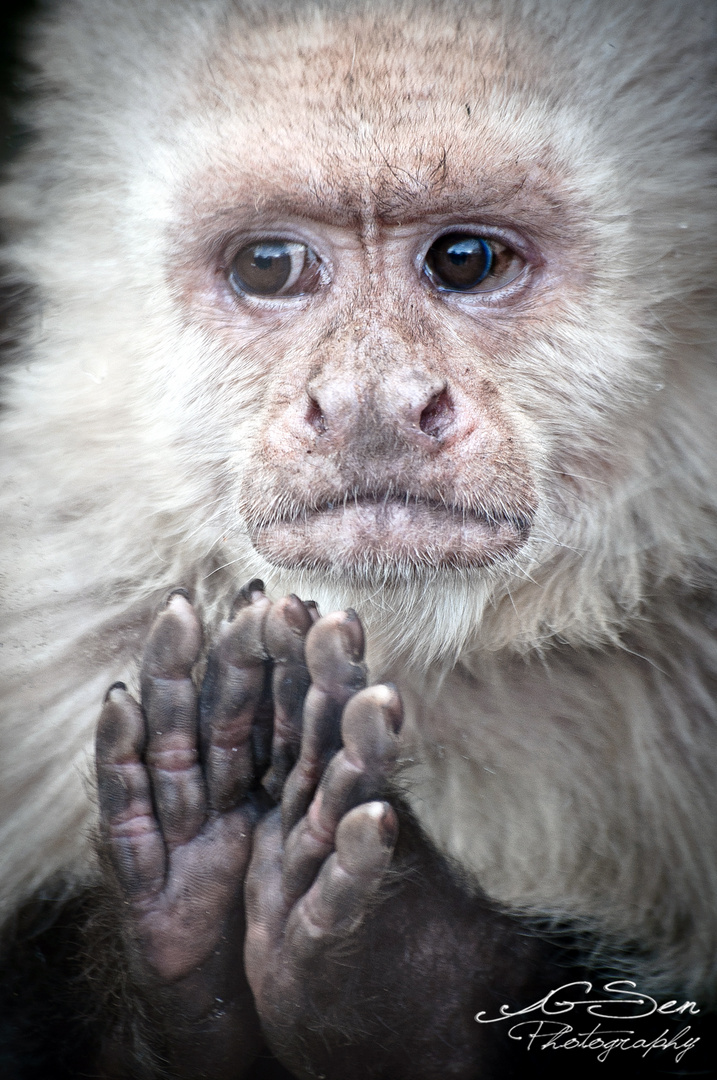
x: 269, y: 888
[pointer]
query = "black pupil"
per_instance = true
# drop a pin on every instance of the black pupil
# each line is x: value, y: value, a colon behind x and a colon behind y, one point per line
x: 263, y: 268
x: 460, y: 261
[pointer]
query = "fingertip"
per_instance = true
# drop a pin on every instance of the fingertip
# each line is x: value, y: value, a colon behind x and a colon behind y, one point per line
x: 248, y: 594
x: 289, y: 612
x: 393, y: 707
x: 121, y: 728
x: 370, y: 725
x: 365, y: 839
x: 384, y: 819
x: 376, y: 818
x: 179, y: 591
x: 115, y: 686
x: 387, y: 823
x: 313, y: 609
x: 297, y: 614
x: 352, y: 634
x: 179, y: 604
x: 175, y: 639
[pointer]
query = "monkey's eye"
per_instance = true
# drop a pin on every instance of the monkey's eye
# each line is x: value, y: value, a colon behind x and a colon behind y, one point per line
x: 462, y: 262
x: 274, y: 268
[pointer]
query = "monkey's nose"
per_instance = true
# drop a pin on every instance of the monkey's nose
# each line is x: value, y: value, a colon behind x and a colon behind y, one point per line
x: 437, y: 416
x: 402, y: 411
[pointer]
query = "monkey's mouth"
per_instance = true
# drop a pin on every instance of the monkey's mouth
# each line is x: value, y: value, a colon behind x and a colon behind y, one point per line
x: 391, y: 532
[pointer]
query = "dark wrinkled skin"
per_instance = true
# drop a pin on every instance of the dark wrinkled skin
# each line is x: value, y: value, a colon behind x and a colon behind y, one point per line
x: 325, y: 926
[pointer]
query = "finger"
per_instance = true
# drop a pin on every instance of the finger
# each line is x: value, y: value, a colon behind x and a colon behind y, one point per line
x: 169, y: 702
x: 334, y: 655
x: 265, y: 904
x: 358, y: 773
x: 231, y: 700
x: 261, y: 731
x: 286, y: 627
x: 349, y: 879
x: 129, y: 828
x: 370, y: 726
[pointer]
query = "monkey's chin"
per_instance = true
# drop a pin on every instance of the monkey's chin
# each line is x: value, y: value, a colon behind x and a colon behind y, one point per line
x: 392, y: 538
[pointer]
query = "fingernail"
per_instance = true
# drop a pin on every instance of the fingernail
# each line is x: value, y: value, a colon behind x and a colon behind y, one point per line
x: 352, y: 633
x: 180, y: 591
x: 246, y: 596
x: 313, y: 609
x: 296, y: 614
x: 388, y: 826
x: 393, y: 708
x: 115, y: 686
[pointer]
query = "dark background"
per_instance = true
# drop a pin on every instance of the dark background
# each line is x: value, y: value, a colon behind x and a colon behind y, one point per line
x: 13, y: 16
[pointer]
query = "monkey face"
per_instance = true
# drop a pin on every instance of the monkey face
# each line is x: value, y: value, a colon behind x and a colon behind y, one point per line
x: 397, y: 357
x: 380, y: 457
x: 369, y: 281
x: 390, y: 265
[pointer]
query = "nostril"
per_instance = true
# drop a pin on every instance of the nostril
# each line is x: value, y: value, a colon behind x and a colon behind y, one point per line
x: 437, y: 416
x: 315, y: 417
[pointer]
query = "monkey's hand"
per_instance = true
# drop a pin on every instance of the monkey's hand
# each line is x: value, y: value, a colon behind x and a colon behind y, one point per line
x: 366, y: 955
x: 178, y: 790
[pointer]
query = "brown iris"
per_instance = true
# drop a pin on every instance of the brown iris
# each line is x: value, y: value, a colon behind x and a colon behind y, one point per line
x: 464, y: 262
x: 274, y: 268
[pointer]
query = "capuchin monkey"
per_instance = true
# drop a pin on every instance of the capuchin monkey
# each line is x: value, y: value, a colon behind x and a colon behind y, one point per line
x: 405, y: 309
